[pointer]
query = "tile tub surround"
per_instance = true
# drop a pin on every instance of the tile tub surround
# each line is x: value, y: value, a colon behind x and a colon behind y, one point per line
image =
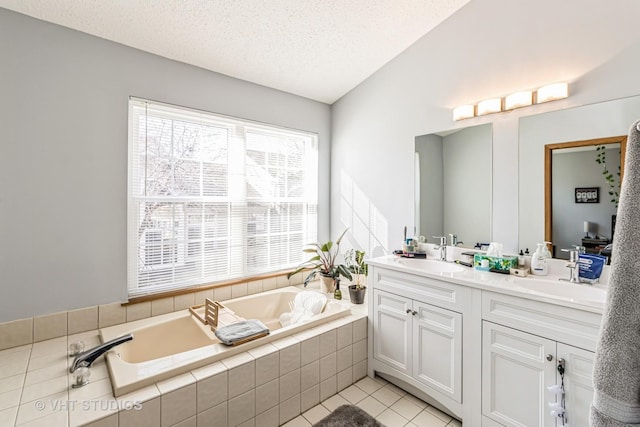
x: 264, y: 386
x: 20, y: 332
x: 175, y: 343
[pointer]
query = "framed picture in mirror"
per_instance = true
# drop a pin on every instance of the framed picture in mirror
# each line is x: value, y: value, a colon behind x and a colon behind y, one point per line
x: 587, y: 195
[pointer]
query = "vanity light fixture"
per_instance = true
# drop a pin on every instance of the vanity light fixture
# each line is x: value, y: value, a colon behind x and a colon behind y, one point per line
x: 464, y: 112
x: 518, y: 99
x: 489, y: 106
x: 515, y: 100
x: 552, y: 92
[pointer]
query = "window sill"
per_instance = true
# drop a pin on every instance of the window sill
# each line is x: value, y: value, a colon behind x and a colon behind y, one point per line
x: 194, y: 289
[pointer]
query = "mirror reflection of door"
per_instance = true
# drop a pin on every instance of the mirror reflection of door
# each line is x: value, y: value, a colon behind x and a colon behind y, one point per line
x: 570, y: 220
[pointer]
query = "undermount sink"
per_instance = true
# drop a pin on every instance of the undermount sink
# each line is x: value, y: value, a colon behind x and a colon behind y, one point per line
x: 571, y: 291
x: 430, y: 265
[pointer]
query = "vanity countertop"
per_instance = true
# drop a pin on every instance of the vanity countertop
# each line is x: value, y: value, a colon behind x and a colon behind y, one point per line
x: 541, y: 288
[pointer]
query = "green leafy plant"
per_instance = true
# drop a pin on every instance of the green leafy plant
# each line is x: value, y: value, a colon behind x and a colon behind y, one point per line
x: 323, y: 261
x: 354, y: 259
x: 614, y: 184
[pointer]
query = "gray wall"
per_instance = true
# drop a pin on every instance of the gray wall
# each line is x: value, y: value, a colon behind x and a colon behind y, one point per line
x: 467, y: 185
x: 579, y: 169
x: 488, y: 48
x: 63, y: 156
x: 455, y: 184
x: 429, y: 147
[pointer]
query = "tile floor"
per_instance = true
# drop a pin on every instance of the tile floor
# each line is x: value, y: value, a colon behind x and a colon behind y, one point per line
x: 390, y: 405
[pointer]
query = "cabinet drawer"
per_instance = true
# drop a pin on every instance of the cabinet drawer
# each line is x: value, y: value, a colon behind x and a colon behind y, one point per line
x: 442, y: 294
x: 564, y: 324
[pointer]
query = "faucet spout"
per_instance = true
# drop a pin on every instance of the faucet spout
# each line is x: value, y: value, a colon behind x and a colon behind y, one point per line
x: 86, y: 358
x: 442, y: 247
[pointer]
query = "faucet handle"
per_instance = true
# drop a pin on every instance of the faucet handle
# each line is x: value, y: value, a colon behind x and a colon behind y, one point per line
x: 573, y: 254
x: 443, y: 240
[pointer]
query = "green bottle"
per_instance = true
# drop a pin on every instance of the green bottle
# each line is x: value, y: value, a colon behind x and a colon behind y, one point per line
x: 337, y: 294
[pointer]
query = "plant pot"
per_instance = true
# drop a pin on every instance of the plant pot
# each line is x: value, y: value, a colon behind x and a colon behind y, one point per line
x: 356, y: 295
x: 327, y: 284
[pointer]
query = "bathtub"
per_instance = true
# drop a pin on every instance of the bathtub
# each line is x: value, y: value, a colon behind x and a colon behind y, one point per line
x: 175, y: 343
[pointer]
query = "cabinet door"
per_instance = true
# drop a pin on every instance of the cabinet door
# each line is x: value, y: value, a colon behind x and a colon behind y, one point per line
x: 437, y: 349
x: 578, y: 383
x: 515, y: 377
x: 391, y: 329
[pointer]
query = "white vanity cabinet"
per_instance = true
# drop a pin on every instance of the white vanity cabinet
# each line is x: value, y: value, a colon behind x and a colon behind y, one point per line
x: 420, y: 340
x: 478, y: 347
x: 519, y: 364
x: 417, y: 333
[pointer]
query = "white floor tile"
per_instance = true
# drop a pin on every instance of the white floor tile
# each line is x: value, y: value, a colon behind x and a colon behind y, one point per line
x: 368, y: 385
x: 316, y: 413
x: 386, y: 396
x: 353, y: 394
x: 391, y: 418
x: 406, y: 408
x: 444, y: 417
x: 371, y: 406
x: 334, y: 401
x: 427, y: 419
x: 298, y: 421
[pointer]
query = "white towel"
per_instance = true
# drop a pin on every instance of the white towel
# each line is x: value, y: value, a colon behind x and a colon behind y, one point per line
x: 230, y: 334
x: 616, y: 373
x: 306, y: 304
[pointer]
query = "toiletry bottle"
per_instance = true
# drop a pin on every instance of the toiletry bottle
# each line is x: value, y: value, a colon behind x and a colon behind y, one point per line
x: 521, y: 259
x: 337, y: 294
x: 539, y: 262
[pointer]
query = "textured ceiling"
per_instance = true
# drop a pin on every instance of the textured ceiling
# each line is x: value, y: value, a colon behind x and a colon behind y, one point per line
x: 319, y: 49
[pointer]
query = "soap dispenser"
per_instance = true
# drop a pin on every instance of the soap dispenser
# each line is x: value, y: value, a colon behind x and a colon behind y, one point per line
x: 539, y: 261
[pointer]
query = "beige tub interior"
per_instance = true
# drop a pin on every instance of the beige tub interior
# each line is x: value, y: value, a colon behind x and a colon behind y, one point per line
x: 175, y: 343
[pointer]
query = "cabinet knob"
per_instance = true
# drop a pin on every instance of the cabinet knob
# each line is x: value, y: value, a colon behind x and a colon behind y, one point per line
x: 408, y: 310
x: 414, y: 312
x: 549, y: 357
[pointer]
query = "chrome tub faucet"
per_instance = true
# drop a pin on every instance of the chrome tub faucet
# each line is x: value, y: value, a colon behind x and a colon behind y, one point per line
x: 86, y: 358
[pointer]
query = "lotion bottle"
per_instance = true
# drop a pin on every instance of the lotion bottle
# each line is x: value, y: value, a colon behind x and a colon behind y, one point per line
x: 539, y: 262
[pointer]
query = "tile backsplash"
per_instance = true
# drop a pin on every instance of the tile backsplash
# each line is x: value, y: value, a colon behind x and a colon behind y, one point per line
x: 40, y: 328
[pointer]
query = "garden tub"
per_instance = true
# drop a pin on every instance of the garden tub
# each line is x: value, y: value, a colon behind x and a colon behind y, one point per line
x: 171, y: 344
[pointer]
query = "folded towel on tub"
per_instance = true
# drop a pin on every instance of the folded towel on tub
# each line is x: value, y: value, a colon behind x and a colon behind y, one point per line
x: 241, y: 331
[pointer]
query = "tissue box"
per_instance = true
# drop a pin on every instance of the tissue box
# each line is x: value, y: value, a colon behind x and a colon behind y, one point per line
x: 503, y: 263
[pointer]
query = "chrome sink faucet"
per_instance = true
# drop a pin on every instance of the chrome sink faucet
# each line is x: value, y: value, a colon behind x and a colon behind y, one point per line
x: 442, y: 247
x: 86, y: 358
x: 573, y: 265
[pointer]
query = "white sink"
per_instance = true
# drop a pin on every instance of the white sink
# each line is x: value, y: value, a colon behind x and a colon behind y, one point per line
x: 574, y: 292
x: 430, y: 265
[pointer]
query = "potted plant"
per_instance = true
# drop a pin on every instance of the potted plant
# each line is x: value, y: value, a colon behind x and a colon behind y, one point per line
x: 359, y: 269
x: 323, y: 262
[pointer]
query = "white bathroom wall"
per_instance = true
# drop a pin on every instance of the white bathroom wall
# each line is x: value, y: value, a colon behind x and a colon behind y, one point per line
x: 63, y: 156
x: 489, y: 48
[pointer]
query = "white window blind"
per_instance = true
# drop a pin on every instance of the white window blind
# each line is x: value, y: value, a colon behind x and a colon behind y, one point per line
x: 213, y: 198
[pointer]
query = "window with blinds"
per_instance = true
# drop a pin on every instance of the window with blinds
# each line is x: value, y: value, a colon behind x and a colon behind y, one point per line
x: 213, y: 198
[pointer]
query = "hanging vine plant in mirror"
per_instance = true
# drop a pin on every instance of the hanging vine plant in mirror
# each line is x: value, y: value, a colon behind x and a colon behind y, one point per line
x: 614, y: 184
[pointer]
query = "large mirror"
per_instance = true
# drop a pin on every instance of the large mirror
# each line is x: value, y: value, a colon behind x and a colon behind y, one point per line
x: 591, y: 122
x: 453, y: 184
x: 582, y: 182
